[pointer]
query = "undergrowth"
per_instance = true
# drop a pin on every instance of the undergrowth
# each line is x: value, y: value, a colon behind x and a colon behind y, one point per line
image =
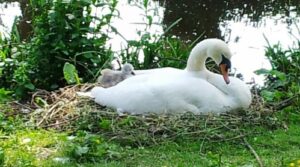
x: 56, y: 128
x: 100, y: 136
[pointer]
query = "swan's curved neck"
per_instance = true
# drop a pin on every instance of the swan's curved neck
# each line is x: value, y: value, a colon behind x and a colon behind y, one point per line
x: 196, y: 60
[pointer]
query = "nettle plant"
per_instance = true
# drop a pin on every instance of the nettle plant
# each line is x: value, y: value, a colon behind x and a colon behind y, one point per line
x: 65, y: 33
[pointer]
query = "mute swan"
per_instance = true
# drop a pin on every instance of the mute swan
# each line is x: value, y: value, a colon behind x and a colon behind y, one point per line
x: 111, y: 78
x: 171, y: 90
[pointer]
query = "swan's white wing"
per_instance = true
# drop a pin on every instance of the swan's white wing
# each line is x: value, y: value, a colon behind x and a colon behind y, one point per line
x: 166, y: 92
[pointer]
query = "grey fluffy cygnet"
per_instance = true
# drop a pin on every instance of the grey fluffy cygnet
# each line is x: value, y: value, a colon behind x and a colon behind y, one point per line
x: 111, y: 78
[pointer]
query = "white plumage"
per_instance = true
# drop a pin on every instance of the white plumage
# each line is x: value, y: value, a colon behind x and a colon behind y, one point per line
x: 170, y: 90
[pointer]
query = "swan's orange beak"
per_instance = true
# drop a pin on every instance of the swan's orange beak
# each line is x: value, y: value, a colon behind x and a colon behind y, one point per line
x: 224, y: 72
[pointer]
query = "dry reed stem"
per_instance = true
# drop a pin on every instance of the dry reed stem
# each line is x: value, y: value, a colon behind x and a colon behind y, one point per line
x: 258, y: 159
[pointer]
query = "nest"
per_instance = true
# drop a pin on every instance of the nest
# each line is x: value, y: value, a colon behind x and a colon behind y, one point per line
x: 63, y: 110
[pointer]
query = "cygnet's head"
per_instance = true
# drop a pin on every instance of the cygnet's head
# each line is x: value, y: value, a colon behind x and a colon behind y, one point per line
x: 128, y: 69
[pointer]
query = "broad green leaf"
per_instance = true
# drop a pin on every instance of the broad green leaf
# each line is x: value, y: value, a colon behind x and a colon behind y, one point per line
x: 280, y: 75
x: 30, y: 86
x: 70, y: 73
x: 88, y: 55
x: 267, y: 95
x: 5, y: 95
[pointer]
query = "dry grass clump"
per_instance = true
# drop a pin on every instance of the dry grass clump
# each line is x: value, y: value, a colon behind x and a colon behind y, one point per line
x: 64, y: 110
x: 57, y: 109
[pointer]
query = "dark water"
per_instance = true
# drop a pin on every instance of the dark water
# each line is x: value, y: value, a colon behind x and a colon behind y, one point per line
x: 208, y: 15
x: 244, y: 24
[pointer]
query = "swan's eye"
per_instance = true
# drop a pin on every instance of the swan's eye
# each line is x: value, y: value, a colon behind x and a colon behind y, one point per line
x: 226, y: 62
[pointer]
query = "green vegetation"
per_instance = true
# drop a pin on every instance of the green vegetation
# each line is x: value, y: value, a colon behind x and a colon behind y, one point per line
x: 25, y: 146
x: 282, y: 83
x: 67, y: 33
x: 67, y: 46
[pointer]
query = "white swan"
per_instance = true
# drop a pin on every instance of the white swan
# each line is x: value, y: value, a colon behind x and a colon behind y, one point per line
x: 170, y: 90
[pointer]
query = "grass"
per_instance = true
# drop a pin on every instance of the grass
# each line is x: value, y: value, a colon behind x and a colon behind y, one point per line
x: 24, y: 146
x: 69, y: 131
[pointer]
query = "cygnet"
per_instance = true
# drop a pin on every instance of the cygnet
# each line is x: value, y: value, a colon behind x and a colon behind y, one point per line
x: 111, y: 78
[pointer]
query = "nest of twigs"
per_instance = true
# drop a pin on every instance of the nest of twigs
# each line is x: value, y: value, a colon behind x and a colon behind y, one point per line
x: 64, y: 110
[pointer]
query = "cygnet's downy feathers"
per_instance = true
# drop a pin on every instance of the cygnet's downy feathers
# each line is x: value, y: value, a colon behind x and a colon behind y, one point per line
x: 111, y: 78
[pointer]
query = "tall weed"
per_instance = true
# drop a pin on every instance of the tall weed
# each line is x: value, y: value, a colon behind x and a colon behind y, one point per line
x: 282, y: 81
x: 155, y: 50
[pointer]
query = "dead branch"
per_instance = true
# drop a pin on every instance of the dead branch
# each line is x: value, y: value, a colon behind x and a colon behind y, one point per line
x: 253, y: 152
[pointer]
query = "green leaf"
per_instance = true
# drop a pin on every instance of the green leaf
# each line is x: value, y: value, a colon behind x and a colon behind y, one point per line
x: 145, y: 3
x: 41, y: 102
x: 150, y: 20
x: 280, y: 75
x: 87, y: 2
x: 262, y: 71
x: 96, y: 60
x: 134, y: 43
x: 146, y: 37
x: 70, y: 73
x: 101, y: 4
x: 88, y: 55
x: 65, y: 52
x: 5, y: 95
x: 105, y: 124
x: 268, y: 95
x: 30, y: 86
x: 2, y: 157
x: 81, y: 150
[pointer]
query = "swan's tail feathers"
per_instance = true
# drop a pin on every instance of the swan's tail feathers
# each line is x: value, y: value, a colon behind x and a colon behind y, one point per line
x: 96, y: 91
x: 99, y: 94
x: 92, y: 94
x: 84, y: 94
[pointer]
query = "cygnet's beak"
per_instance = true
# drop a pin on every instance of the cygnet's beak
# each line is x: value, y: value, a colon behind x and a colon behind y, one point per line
x: 224, y: 72
x: 132, y: 73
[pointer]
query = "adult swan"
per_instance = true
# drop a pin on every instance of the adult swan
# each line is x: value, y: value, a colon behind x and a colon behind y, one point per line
x: 170, y: 90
